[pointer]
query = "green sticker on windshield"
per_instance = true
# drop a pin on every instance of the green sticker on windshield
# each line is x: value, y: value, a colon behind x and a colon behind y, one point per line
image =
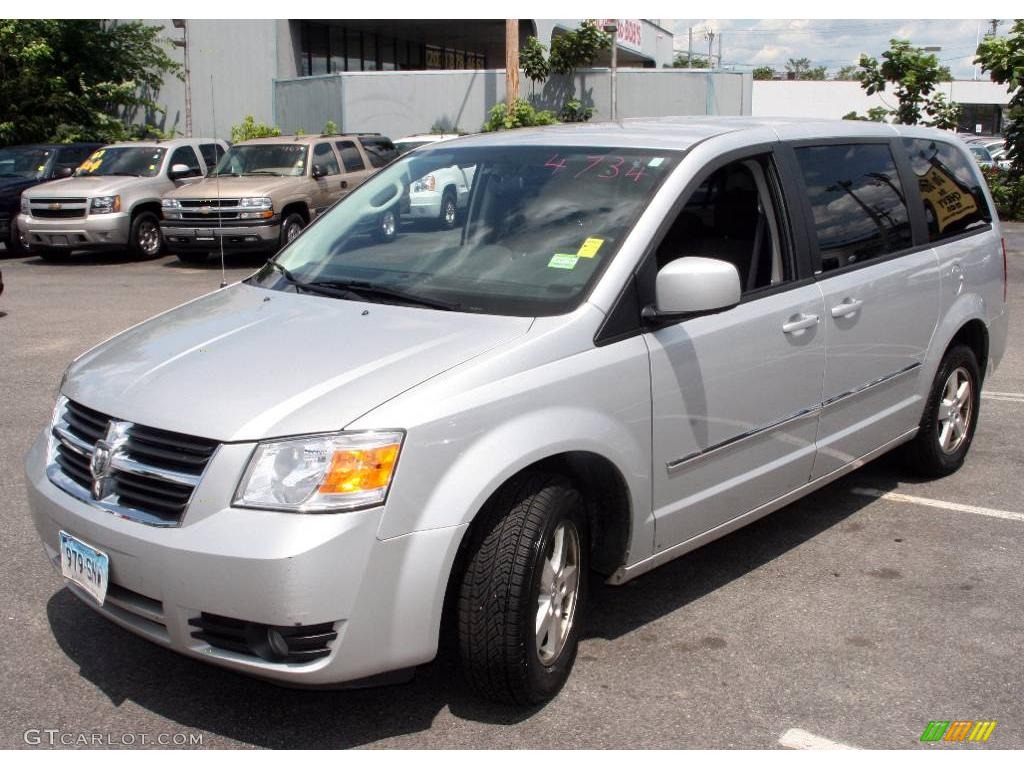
x: 563, y: 261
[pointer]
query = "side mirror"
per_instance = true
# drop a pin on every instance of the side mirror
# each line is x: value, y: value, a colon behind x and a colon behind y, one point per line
x: 691, y: 286
x: 63, y: 172
x: 317, y: 171
x: 180, y: 171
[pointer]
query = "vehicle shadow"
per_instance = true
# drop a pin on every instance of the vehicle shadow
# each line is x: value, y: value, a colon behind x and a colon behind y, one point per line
x: 200, y: 696
x: 87, y: 259
x: 231, y: 261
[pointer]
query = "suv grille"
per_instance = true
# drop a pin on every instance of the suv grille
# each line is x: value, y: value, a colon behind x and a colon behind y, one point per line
x: 151, y: 473
x: 58, y: 207
x: 210, y: 209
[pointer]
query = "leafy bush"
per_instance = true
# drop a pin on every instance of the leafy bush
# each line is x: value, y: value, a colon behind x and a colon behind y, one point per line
x: 532, y: 61
x: 575, y: 112
x: 523, y: 115
x: 250, y: 129
x: 330, y: 127
x: 1007, y: 192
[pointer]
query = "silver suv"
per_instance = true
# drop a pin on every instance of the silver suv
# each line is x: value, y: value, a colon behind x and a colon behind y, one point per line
x: 113, y: 200
x: 642, y: 336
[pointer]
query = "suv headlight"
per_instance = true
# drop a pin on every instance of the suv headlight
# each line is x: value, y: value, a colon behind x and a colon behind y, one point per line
x: 170, y: 202
x: 170, y: 208
x: 426, y: 184
x: 107, y: 204
x: 259, y: 208
x: 321, y: 473
x: 24, y: 205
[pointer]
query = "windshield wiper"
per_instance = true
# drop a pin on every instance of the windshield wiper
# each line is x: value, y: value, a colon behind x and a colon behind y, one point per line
x: 260, y: 173
x: 213, y: 175
x: 358, y: 289
x: 384, y: 292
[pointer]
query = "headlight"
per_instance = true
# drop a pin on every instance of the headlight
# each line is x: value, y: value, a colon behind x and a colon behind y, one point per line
x: 24, y: 205
x: 108, y: 204
x: 426, y: 184
x: 170, y: 202
x: 321, y: 473
x: 259, y: 203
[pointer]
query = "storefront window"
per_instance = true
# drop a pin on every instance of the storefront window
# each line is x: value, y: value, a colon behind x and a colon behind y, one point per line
x: 370, y: 52
x: 328, y: 48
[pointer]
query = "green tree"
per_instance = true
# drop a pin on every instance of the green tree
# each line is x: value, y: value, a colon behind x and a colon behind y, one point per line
x: 913, y: 74
x: 848, y: 72
x: 1003, y: 59
x: 875, y: 115
x: 764, y: 73
x: 578, y: 48
x: 533, y: 60
x: 80, y: 79
x: 695, y: 62
x: 250, y: 129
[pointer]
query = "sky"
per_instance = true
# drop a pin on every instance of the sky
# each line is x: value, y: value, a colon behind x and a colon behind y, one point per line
x: 750, y: 43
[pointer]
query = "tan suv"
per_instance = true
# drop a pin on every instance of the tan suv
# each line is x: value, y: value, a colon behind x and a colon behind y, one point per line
x: 263, y: 192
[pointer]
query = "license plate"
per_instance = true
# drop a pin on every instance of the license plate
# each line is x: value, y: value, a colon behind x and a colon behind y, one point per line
x: 204, y: 234
x: 85, y: 566
x: 58, y: 240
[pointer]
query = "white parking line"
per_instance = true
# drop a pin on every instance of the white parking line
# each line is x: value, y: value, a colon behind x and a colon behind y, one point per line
x: 1002, y: 398
x: 797, y: 738
x: 952, y: 506
x: 1001, y: 394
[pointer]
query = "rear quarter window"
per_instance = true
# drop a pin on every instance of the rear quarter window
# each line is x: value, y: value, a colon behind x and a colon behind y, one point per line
x: 857, y: 202
x: 951, y: 191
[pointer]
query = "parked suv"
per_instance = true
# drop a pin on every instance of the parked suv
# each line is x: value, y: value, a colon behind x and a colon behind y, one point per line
x: 265, y: 191
x: 441, y: 194
x: 113, y: 200
x: 643, y: 335
x: 29, y: 165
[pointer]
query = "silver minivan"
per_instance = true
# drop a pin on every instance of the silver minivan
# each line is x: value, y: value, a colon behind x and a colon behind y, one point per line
x: 640, y: 337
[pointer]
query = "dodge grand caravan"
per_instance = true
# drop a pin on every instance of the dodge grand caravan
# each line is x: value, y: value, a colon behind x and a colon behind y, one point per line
x: 642, y: 336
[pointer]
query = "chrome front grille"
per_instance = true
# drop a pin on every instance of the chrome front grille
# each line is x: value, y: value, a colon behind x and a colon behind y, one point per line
x: 131, y: 470
x: 211, y: 209
x: 58, y: 207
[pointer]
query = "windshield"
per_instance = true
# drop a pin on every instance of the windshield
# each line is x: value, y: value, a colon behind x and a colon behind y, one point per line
x: 24, y: 163
x: 534, y: 228
x: 263, y: 160
x: 408, y: 146
x: 981, y: 153
x: 123, y: 161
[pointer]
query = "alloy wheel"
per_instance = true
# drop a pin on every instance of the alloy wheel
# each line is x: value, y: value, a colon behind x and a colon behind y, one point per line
x: 148, y: 238
x: 955, y: 410
x: 558, y: 591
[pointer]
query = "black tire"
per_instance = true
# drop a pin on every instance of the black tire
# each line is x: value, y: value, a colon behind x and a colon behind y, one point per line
x: 193, y: 257
x: 500, y: 591
x: 145, y: 241
x: 288, y: 228
x: 14, y: 244
x: 449, y: 210
x: 925, y: 454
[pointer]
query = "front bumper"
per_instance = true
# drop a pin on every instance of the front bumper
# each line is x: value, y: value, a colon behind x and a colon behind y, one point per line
x: 100, y: 231
x: 241, y: 237
x: 424, y: 205
x: 383, y: 597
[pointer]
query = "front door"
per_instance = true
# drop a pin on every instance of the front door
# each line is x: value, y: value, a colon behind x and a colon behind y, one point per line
x: 881, y: 299
x: 330, y: 187
x: 735, y: 394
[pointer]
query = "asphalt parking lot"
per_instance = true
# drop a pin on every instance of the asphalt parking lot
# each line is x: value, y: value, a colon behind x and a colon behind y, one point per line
x: 855, y: 615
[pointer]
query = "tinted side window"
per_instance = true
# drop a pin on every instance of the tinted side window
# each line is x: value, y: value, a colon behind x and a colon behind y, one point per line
x: 380, y: 151
x: 185, y: 155
x: 212, y: 153
x: 858, y: 203
x: 950, y: 191
x: 350, y: 156
x: 323, y: 156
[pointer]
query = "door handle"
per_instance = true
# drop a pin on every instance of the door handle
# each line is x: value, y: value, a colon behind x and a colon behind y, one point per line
x: 344, y: 184
x: 847, y: 307
x: 799, y: 323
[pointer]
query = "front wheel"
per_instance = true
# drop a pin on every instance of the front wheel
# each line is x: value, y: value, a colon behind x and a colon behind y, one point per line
x: 449, y: 210
x: 950, y: 416
x: 387, y: 226
x: 144, y: 238
x: 523, y: 591
x: 291, y: 228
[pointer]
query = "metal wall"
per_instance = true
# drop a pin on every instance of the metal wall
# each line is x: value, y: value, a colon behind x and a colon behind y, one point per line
x: 402, y: 103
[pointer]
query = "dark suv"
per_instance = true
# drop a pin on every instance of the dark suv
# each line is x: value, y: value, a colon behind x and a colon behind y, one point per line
x: 25, y: 166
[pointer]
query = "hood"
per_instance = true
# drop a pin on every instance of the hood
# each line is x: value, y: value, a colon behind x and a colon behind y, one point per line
x: 246, y: 363
x: 236, y: 186
x: 93, y: 186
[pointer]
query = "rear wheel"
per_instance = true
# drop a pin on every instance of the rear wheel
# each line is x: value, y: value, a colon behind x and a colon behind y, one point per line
x: 950, y: 416
x: 144, y: 238
x: 523, y: 590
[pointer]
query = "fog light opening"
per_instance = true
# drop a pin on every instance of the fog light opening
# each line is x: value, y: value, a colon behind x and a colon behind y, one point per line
x: 277, y: 643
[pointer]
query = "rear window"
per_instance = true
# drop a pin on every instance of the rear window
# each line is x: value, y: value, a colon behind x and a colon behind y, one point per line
x: 857, y: 202
x: 380, y: 151
x: 950, y: 190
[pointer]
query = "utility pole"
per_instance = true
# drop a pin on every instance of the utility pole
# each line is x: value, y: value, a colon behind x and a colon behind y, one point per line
x: 182, y: 24
x: 689, y: 51
x: 709, y: 35
x: 613, y: 30
x: 511, y: 62
x: 994, y: 26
